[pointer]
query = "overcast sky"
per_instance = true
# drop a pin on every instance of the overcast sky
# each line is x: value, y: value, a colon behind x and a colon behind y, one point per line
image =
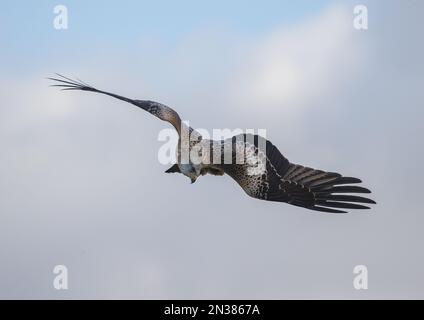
x: 80, y: 180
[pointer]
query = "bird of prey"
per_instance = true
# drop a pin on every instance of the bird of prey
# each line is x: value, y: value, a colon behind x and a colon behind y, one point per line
x: 251, y: 160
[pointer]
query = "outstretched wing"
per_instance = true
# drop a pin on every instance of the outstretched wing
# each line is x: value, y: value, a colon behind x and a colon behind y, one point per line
x: 270, y: 176
x: 157, y: 109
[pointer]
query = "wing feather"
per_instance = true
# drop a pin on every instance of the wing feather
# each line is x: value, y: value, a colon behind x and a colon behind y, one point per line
x: 157, y: 109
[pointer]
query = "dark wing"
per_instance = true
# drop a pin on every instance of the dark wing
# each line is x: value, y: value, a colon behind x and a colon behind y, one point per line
x: 279, y: 180
x: 157, y: 109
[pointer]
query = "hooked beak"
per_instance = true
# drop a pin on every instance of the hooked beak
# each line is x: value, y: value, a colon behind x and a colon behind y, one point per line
x: 193, y: 180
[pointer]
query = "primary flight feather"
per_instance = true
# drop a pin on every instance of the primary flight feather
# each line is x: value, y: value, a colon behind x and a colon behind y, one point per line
x: 251, y: 160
